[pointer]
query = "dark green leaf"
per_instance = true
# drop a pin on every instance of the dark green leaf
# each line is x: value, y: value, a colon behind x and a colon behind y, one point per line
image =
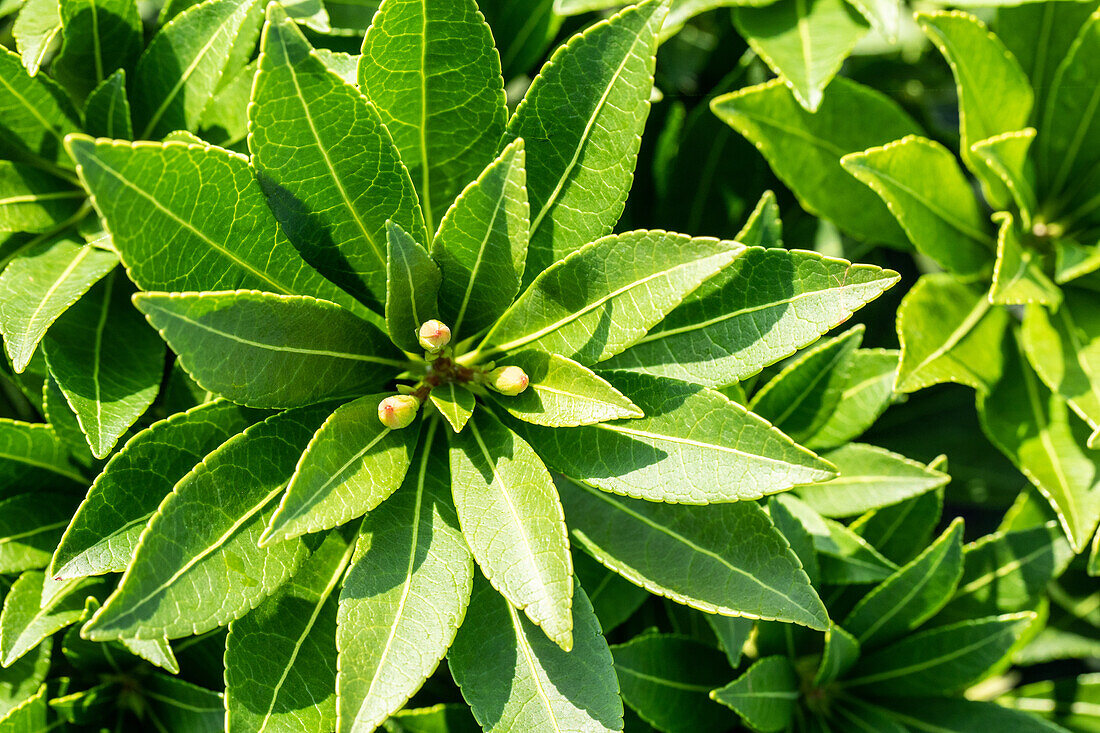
x: 764, y: 696
x: 412, y: 282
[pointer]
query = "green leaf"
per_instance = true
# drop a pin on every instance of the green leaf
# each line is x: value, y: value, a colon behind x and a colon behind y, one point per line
x: 196, y: 569
x: 1064, y: 349
x: 994, y: 93
x: 1066, y: 149
x: 442, y: 718
x: 455, y: 403
x: 107, y: 362
x: 179, y: 705
x: 693, y: 446
x: 481, y: 246
x: 34, y: 201
x: 614, y: 599
x: 224, y: 120
x: 280, y: 671
x: 37, y: 115
x: 439, y: 92
x: 562, y: 393
x: 1004, y: 572
x: 866, y: 390
x: 104, y: 532
x: 405, y: 595
x: 516, y: 679
x: 764, y: 696
x: 87, y: 655
x: 513, y: 522
x: 29, y: 716
x: 31, y: 455
x: 582, y: 122
x: 763, y: 228
x: 727, y: 558
x: 840, y: 653
x: 268, y: 350
x: 1018, y: 278
x: 107, y: 109
x: 667, y: 679
x: 870, y: 477
x: 1037, y: 431
x: 805, y: 394
x: 933, y: 201
x: 803, y: 41
x: 939, y: 660
x: 351, y: 465
x: 949, y: 333
x: 951, y: 715
x: 183, y: 66
x: 805, y: 149
x: 137, y: 188
x: 30, y: 526
x: 97, y: 37
x: 43, y: 283
x: 912, y: 595
x: 1007, y: 156
x: 25, y: 623
x: 34, y: 30
x: 732, y: 634
x: 412, y: 282
x: 19, y: 682
x: 798, y: 536
x: 900, y: 531
x: 606, y: 295
x: 791, y: 298
x: 327, y: 164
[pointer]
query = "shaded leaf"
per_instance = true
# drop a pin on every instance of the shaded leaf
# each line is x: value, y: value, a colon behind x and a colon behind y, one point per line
x: 764, y: 696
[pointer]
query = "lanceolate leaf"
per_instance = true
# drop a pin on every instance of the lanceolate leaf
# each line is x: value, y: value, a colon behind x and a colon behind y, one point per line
x: 516, y: 679
x: 1018, y: 278
x: 582, y: 123
x: 104, y: 532
x: 949, y: 332
x: 763, y: 228
x: 267, y: 350
x: 928, y: 193
x: 764, y: 696
x: 606, y: 295
x: 405, y: 595
x: 37, y: 115
x: 42, y: 283
x: 726, y: 558
x: 614, y: 599
x: 1007, y: 155
x: 956, y: 715
x: 866, y: 390
x: 107, y: 362
x: 107, y: 110
x: 34, y: 31
x: 900, y: 531
x: 455, y: 403
x: 912, y: 595
x: 280, y: 666
x: 25, y: 623
x: 183, y: 65
x: 693, y: 446
x: 481, y: 246
x: 513, y: 522
x: 562, y: 393
x: 803, y: 41
x: 1037, y: 431
x: 805, y: 149
x: 196, y: 569
x: 1064, y: 349
x: 136, y: 189
x: 789, y: 298
x: 98, y: 36
x: 19, y: 681
x: 994, y: 94
x: 412, y: 282
x: 327, y: 164
x: 32, y: 455
x: 840, y: 653
x: 938, y: 660
x: 433, y: 73
x: 350, y: 466
x: 870, y: 477
x: 801, y: 398
x: 30, y: 525
x: 667, y: 679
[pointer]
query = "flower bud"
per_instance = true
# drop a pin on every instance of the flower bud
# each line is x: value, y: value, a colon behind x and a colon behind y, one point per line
x: 434, y: 335
x: 398, y: 411
x: 508, y: 380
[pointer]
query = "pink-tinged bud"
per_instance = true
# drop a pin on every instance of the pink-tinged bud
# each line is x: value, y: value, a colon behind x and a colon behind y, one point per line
x: 398, y: 411
x: 434, y: 335
x: 508, y: 380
